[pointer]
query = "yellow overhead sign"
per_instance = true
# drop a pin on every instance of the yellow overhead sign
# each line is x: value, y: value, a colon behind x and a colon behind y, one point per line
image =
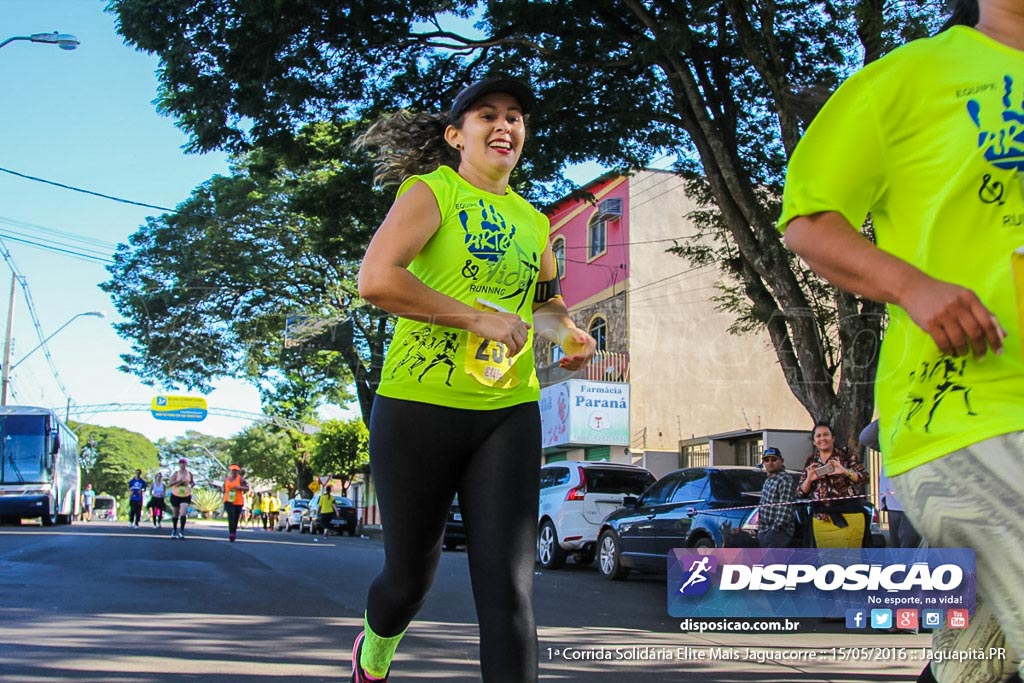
x: 181, y: 408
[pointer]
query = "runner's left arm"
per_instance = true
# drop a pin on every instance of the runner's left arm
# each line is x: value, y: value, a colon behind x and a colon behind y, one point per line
x: 551, y: 321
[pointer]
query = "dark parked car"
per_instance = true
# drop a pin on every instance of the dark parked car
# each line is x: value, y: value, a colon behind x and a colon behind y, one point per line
x: 454, y: 531
x: 344, y: 516
x: 697, y: 507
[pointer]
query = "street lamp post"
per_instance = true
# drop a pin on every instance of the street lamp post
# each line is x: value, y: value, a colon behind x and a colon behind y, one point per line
x: 6, y: 373
x: 64, y: 41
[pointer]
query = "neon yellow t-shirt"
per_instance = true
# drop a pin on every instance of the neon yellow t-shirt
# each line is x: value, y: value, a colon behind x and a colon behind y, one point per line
x: 486, y: 251
x: 930, y: 141
x: 326, y: 503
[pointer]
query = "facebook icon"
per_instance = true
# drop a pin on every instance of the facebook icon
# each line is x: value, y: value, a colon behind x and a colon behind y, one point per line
x: 856, y: 618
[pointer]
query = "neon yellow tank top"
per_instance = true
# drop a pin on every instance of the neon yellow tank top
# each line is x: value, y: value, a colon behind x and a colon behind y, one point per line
x: 486, y: 252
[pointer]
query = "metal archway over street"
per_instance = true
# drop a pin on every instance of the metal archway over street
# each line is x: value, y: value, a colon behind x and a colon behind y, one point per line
x: 85, y: 411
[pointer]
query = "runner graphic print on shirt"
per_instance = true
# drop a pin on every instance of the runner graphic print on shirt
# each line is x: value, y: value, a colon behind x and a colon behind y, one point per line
x: 933, y: 385
x: 420, y: 341
x: 445, y: 349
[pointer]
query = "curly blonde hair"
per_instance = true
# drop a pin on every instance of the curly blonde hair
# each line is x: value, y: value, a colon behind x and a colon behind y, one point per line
x: 407, y: 143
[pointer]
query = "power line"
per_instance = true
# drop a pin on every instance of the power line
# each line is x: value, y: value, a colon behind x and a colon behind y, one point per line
x: 49, y: 247
x: 59, y: 234
x: 88, y: 192
x: 177, y: 211
x: 650, y: 301
x: 30, y: 305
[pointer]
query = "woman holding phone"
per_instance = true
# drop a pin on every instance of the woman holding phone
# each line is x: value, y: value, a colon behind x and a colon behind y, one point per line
x: 834, y: 480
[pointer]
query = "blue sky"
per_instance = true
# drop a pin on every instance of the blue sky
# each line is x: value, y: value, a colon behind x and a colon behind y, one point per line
x: 85, y: 118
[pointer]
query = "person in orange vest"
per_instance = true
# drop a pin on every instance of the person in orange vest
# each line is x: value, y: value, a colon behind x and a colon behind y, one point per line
x: 235, y: 488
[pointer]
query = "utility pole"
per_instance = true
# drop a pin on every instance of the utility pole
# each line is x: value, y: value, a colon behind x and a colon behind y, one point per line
x: 7, y: 345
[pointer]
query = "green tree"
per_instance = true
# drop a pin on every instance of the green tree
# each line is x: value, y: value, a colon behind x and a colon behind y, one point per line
x: 207, y: 456
x: 266, y: 453
x: 116, y: 454
x: 341, y: 449
x: 725, y: 88
x: 207, y: 291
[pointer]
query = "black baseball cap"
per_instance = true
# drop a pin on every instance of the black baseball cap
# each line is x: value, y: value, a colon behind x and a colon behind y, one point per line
x: 473, y: 92
x: 771, y: 451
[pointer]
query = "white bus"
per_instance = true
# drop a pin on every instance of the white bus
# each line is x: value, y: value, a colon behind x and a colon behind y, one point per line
x: 39, y: 470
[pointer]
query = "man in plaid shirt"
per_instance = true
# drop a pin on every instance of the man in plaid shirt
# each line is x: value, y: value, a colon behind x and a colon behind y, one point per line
x: 776, y: 522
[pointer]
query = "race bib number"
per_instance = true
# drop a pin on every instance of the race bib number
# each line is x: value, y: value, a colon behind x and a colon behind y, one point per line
x: 487, y: 361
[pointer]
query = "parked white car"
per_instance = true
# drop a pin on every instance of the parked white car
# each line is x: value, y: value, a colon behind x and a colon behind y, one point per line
x: 575, y: 497
x: 291, y: 517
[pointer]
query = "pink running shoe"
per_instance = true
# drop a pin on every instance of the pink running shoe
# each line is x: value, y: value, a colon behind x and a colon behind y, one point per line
x: 358, y: 675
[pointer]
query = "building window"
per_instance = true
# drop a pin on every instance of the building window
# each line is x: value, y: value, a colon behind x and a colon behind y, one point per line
x: 599, y: 331
x: 750, y: 453
x: 696, y: 456
x: 558, y: 249
x: 597, y: 238
x: 555, y: 353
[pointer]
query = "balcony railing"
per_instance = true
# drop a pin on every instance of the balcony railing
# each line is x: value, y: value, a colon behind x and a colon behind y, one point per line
x: 607, y: 366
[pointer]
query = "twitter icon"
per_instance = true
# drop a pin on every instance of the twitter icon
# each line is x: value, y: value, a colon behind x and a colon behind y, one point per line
x: 881, y: 618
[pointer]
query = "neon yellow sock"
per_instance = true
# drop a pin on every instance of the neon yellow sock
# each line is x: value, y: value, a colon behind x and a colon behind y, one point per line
x: 378, y: 651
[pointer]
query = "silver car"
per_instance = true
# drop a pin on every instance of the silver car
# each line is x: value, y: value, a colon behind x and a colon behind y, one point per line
x: 291, y: 515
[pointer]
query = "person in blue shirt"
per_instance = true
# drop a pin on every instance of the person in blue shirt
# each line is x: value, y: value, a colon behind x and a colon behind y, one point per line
x: 88, y: 503
x: 136, y: 487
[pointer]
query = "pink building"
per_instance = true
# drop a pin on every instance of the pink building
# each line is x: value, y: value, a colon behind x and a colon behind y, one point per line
x: 658, y: 332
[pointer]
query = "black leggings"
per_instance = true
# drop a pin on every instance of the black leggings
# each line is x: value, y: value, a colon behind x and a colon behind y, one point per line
x: 233, y: 511
x: 420, y: 456
x: 134, y: 511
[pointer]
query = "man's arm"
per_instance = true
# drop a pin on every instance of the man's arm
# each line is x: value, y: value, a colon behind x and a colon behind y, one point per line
x: 953, y: 316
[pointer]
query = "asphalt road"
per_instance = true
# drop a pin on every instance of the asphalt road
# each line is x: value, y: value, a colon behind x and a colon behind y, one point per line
x: 102, y: 602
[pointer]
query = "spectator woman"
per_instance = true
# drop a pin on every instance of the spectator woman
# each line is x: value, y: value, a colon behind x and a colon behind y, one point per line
x: 835, y: 480
x: 257, y: 509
